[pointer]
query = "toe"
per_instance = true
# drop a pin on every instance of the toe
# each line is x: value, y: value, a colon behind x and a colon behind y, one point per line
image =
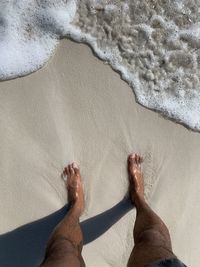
x: 140, y: 159
x: 131, y: 157
x: 71, y: 170
x: 66, y: 172
x: 137, y: 159
x: 75, y: 167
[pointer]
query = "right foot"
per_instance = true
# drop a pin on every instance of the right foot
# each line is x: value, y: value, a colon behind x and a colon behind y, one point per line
x: 74, y: 187
x: 136, y: 186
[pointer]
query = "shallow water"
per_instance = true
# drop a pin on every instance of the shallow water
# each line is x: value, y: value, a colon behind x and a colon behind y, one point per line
x: 155, y: 45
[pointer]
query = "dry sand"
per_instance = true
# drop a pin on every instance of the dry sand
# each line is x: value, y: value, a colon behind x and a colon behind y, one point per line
x: 78, y: 109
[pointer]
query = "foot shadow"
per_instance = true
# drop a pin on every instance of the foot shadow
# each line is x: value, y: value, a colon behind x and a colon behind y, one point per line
x: 25, y: 246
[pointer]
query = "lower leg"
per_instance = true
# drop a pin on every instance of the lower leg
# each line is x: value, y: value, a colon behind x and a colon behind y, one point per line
x: 151, y: 236
x: 148, y: 221
x: 65, y: 244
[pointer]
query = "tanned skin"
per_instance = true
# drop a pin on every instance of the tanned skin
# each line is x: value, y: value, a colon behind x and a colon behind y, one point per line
x: 151, y: 236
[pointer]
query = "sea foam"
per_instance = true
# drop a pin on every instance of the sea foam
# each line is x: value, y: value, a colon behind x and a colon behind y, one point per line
x: 155, y: 45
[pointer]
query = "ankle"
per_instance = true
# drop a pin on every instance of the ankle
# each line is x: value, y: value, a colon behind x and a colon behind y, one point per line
x: 76, y: 210
x: 139, y: 200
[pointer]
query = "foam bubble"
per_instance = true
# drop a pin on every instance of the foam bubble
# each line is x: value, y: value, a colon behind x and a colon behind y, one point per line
x: 153, y: 44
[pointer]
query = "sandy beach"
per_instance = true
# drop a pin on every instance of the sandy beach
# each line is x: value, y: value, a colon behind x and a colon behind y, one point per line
x: 78, y: 109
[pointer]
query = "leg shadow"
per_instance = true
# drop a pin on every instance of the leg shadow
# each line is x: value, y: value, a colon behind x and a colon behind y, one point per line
x: 25, y: 246
x: 96, y: 226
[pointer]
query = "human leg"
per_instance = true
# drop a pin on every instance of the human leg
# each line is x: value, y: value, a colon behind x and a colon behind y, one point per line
x: 151, y: 236
x: 65, y: 244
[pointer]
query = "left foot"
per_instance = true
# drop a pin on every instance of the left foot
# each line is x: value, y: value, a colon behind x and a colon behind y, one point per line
x: 74, y: 187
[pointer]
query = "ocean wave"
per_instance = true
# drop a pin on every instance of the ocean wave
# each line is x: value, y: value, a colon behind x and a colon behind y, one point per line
x: 155, y: 45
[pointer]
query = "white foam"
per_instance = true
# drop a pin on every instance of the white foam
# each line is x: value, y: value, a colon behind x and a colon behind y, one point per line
x: 30, y: 31
x: 154, y: 45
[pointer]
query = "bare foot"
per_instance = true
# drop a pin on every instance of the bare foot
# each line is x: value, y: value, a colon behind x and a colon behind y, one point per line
x: 74, y: 187
x: 136, y: 187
